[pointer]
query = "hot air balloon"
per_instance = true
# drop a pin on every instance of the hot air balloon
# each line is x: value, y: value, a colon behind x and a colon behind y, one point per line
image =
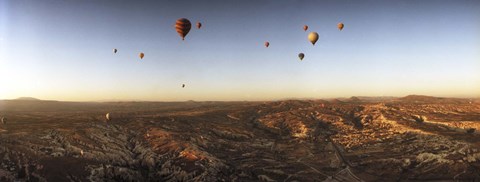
x: 81, y: 152
x: 340, y: 26
x: 267, y: 44
x: 4, y: 120
x: 301, y: 56
x: 115, y: 51
x: 183, y: 26
x: 305, y: 27
x: 183, y: 85
x: 107, y: 117
x: 199, y: 25
x: 141, y: 55
x: 313, y: 37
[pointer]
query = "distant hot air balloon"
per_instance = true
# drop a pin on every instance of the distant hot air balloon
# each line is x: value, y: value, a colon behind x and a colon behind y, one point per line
x: 305, y: 28
x: 81, y: 152
x: 183, y: 85
x: 313, y: 37
x: 301, y: 56
x: 107, y: 117
x: 267, y: 44
x: 340, y: 26
x: 199, y: 25
x: 4, y: 120
x: 115, y: 51
x: 141, y: 55
x: 183, y: 26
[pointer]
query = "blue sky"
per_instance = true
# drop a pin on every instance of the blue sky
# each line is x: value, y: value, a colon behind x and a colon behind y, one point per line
x: 62, y: 49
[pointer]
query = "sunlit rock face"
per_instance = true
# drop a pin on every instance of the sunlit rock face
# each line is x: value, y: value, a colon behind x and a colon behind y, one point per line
x: 356, y: 139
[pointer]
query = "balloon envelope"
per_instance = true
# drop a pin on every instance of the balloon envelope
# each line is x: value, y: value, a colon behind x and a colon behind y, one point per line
x: 340, y: 26
x: 301, y: 56
x: 183, y: 26
x: 199, y: 25
x: 305, y: 27
x: 114, y: 50
x: 141, y: 55
x: 267, y: 44
x: 313, y: 37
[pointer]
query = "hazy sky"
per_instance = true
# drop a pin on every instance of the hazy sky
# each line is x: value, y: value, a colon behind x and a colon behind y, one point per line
x: 62, y: 49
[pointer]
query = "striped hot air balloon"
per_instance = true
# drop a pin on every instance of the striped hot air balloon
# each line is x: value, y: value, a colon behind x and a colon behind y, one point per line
x: 183, y: 26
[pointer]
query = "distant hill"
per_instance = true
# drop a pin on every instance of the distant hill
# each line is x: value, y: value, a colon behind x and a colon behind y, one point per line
x: 419, y: 97
x: 430, y: 99
x: 354, y: 99
x: 376, y: 99
x: 335, y: 101
x: 27, y: 98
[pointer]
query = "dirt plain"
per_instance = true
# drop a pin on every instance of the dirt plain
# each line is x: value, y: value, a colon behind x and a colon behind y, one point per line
x: 413, y: 138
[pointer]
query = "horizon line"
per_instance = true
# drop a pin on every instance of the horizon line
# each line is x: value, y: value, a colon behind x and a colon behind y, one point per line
x: 269, y: 100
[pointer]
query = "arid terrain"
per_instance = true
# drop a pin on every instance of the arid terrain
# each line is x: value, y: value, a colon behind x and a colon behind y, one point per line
x: 413, y: 138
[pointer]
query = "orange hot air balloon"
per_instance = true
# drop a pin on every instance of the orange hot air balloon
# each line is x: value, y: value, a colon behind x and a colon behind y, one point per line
x: 305, y: 27
x: 267, y: 44
x: 340, y: 26
x: 141, y: 55
x: 183, y: 26
x: 199, y: 25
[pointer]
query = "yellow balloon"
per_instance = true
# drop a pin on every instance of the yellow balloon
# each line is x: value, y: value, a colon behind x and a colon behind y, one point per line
x: 313, y: 37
